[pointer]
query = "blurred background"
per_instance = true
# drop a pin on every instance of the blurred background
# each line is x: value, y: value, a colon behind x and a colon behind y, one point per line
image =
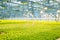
x: 30, y: 9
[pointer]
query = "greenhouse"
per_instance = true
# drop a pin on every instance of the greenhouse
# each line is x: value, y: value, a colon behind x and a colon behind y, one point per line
x: 29, y: 19
x: 30, y: 9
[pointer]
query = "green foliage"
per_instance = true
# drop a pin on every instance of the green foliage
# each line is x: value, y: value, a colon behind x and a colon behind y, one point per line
x: 29, y: 31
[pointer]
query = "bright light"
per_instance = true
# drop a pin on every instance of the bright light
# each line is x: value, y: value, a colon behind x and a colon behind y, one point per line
x: 41, y: 12
x: 45, y: 8
x: 51, y: 1
x: 58, y: 11
x: 57, y: 15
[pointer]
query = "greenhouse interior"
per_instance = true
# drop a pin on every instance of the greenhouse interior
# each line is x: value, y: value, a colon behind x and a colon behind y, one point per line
x: 30, y: 9
x: 29, y: 19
